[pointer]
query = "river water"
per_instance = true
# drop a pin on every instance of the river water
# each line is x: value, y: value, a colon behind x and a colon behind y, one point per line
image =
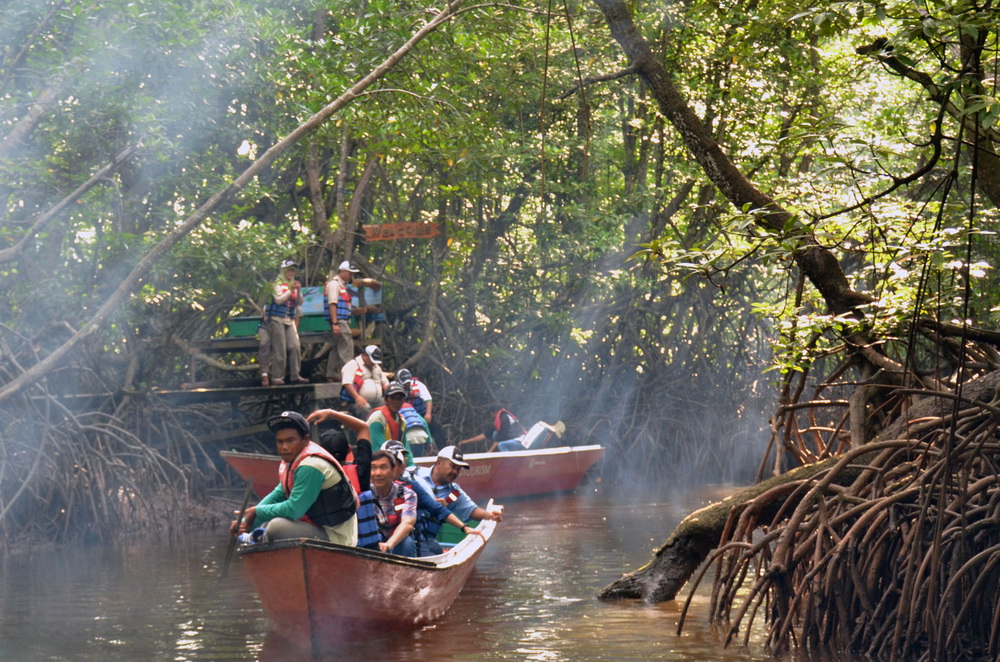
x: 531, y: 597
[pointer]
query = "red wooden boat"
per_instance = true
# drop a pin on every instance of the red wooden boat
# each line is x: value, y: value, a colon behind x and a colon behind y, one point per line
x: 319, y: 594
x: 490, y: 476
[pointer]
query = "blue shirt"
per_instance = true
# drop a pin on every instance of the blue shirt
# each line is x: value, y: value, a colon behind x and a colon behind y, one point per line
x: 458, y: 502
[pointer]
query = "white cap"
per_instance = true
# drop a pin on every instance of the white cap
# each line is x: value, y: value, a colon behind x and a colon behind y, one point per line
x: 374, y: 353
x: 347, y: 266
x: 452, y: 454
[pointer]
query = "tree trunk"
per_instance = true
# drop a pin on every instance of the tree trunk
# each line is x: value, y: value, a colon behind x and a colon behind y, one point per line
x: 693, y: 540
x: 818, y: 263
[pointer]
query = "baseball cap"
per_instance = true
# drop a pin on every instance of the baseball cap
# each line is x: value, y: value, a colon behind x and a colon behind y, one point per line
x: 374, y: 353
x: 404, y: 377
x: 452, y: 453
x: 397, y: 449
x: 394, y: 388
x: 289, y: 264
x: 288, y: 419
x: 347, y: 266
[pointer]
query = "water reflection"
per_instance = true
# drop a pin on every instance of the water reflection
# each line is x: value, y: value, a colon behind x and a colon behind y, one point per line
x: 530, y: 598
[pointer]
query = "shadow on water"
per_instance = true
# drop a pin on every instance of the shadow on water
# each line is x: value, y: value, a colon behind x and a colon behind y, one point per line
x: 530, y: 598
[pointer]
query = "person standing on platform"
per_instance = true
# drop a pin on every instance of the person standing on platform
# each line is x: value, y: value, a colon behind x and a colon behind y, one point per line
x: 338, y: 310
x: 363, y: 382
x: 282, y: 333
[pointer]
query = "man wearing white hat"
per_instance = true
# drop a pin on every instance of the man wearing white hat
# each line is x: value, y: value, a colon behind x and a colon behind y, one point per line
x: 440, y: 479
x: 338, y: 310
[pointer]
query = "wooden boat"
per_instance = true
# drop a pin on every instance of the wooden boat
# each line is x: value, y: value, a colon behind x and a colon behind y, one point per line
x: 319, y: 594
x: 491, y: 475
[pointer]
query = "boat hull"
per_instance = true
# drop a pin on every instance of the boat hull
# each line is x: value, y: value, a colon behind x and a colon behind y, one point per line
x: 319, y: 594
x: 491, y: 475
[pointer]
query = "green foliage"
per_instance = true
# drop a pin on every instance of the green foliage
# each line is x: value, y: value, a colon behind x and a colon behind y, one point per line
x: 582, y: 247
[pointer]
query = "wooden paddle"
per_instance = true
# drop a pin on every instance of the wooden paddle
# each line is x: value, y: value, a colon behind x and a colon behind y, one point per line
x: 239, y: 520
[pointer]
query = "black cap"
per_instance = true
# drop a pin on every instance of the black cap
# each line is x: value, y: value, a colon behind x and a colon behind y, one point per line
x: 336, y: 442
x: 288, y: 419
x: 394, y: 388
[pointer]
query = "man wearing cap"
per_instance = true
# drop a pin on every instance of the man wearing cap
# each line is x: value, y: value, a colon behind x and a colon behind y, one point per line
x: 386, y: 423
x: 440, y: 479
x: 314, y: 497
x: 428, y: 508
x: 388, y: 511
x: 338, y: 310
x: 363, y: 382
x: 282, y: 334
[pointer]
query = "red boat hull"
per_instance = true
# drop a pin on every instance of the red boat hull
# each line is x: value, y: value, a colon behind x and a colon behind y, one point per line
x: 318, y: 594
x: 491, y: 475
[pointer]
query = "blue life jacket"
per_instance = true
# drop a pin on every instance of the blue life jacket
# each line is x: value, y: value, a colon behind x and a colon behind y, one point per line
x: 343, y: 304
x: 412, y: 419
x: 286, y: 309
x: 431, y: 513
x: 368, y: 535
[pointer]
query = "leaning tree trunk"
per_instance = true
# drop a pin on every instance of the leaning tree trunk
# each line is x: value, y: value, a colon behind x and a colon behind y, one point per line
x: 131, y: 282
x: 695, y: 538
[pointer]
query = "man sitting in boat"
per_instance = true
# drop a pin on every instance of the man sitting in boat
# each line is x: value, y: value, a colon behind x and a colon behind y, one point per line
x: 388, y: 511
x: 386, y: 423
x: 440, y: 479
x: 504, y: 431
x: 428, y: 507
x: 364, y: 382
x: 314, y: 497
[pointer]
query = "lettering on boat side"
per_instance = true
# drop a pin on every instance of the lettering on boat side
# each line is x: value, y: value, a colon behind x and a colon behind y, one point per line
x: 478, y: 470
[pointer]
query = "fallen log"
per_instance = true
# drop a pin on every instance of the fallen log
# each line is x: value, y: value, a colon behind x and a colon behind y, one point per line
x: 700, y: 532
x: 693, y: 539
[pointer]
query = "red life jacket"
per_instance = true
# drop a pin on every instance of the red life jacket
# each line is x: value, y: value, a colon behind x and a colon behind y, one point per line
x: 393, y: 423
x: 392, y: 518
x: 498, y: 422
x: 452, y: 496
x: 352, y: 475
x: 333, y: 503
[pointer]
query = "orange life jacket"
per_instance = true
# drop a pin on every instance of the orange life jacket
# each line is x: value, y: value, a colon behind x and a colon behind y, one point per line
x: 392, y: 422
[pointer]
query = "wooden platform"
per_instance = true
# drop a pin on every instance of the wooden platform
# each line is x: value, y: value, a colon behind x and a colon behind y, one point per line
x: 205, y: 393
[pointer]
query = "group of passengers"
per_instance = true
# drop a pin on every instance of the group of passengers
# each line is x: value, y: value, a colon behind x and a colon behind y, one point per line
x: 319, y: 495
x: 371, y: 495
